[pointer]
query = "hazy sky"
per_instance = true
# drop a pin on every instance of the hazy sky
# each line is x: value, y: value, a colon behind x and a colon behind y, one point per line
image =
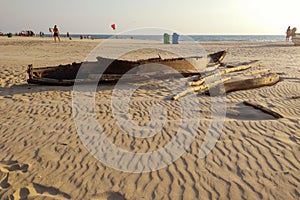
x: 188, y: 17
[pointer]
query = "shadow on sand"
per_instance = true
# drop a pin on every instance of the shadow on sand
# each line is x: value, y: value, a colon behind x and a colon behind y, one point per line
x: 32, y: 88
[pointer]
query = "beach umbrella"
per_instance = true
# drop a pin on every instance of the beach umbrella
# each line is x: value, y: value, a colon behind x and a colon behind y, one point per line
x: 113, y: 26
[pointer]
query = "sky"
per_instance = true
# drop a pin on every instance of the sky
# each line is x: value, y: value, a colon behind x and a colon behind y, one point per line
x: 207, y: 17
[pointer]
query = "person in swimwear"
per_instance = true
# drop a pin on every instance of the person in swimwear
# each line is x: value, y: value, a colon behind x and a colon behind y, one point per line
x: 288, y: 34
x: 56, y: 33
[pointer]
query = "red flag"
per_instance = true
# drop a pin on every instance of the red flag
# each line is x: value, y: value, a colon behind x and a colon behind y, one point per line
x: 113, y: 26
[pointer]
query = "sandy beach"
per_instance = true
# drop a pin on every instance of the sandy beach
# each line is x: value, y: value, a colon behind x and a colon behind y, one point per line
x: 42, y: 156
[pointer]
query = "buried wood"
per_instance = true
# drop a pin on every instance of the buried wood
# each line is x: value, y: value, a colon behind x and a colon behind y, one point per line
x: 263, y: 109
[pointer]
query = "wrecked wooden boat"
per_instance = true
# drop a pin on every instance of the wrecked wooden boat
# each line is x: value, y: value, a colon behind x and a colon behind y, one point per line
x: 111, y: 70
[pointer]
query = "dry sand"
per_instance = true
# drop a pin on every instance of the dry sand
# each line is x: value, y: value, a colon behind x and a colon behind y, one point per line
x: 42, y: 156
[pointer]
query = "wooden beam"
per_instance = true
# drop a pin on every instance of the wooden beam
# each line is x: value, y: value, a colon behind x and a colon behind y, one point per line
x: 201, y: 88
x: 222, y: 72
x: 251, y: 83
x: 263, y: 109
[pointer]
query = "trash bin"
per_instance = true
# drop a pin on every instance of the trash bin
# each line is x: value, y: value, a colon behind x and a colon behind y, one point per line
x: 175, y: 38
x: 9, y: 35
x: 166, y: 38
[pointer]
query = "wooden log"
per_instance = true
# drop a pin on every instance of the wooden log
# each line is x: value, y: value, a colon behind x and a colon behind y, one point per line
x: 222, y: 72
x: 212, y: 70
x: 265, y: 80
x: 206, y: 87
x: 201, y: 88
x: 183, y: 93
x: 261, y: 71
x: 263, y: 109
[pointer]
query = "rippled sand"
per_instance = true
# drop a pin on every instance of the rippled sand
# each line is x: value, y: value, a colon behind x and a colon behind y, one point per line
x: 42, y: 155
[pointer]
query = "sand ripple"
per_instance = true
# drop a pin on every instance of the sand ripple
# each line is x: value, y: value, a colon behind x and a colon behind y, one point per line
x: 256, y: 157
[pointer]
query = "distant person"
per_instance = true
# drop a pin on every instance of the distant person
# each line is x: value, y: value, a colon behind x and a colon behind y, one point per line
x: 68, y: 36
x: 56, y: 33
x: 288, y: 33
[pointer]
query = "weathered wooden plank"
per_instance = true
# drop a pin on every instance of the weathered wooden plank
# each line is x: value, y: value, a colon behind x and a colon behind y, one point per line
x: 263, y: 109
x: 221, y: 72
x: 201, y: 88
x: 251, y: 83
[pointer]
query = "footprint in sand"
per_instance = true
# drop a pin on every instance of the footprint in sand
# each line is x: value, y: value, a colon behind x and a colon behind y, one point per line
x: 4, y: 181
x: 5, y: 168
x: 9, y: 166
x: 33, y: 190
x: 41, y: 191
x: 108, y: 196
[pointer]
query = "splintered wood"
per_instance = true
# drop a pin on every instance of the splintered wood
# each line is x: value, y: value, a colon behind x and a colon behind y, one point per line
x: 232, y: 78
x: 201, y: 88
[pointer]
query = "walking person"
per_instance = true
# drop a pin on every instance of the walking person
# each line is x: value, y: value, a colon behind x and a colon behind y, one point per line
x: 56, y: 33
x: 288, y: 33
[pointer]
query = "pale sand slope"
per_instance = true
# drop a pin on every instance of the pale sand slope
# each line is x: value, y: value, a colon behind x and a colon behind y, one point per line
x: 44, y: 158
